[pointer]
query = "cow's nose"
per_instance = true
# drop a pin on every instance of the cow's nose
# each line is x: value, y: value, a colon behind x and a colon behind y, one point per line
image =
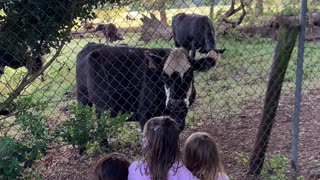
x: 175, y: 104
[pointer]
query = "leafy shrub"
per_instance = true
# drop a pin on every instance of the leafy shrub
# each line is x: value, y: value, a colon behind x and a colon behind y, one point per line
x: 30, y: 141
x: 275, y: 167
x: 33, y: 136
x: 83, y: 130
x: 15, y: 156
x: 12, y: 155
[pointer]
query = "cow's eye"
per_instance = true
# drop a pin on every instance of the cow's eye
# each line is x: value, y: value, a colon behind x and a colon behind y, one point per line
x: 167, y: 79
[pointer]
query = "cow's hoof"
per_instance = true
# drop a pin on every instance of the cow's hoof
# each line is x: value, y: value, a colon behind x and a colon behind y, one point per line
x: 104, y: 144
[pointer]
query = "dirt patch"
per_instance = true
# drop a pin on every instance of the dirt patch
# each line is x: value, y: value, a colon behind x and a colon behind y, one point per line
x: 235, y: 137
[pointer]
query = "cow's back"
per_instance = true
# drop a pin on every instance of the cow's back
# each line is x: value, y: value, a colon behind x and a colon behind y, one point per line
x: 82, y: 71
x: 115, y: 78
x: 197, y: 28
x: 182, y: 26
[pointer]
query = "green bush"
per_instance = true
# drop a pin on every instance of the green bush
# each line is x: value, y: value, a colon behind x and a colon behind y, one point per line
x: 83, y: 130
x: 12, y: 155
x: 32, y: 135
x: 276, y: 167
x: 30, y: 140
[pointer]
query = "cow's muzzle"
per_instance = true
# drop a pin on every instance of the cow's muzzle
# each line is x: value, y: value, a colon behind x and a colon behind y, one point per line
x: 177, y: 104
x: 178, y: 111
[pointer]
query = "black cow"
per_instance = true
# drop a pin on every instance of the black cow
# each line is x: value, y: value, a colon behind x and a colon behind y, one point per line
x: 110, y: 32
x: 194, y: 32
x: 146, y: 82
x: 7, y: 59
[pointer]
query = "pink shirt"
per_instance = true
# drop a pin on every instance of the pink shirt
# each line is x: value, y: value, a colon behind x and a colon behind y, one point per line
x: 222, y: 176
x: 181, y: 174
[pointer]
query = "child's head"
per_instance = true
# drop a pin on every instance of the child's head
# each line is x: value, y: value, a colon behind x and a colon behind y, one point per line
x: 112, y: 167
x: 161, y: 151
x: 201, y: 156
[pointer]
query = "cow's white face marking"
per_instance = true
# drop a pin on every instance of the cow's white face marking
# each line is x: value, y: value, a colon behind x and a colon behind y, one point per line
x: 187, y: 99
x: 167, y: 94
x: 177, y: 61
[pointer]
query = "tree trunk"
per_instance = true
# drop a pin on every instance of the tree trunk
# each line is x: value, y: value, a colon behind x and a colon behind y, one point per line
x: 154, y: 29
x: 259, y: 7
x: 163, y: 17
x: 232, y: 11
x: 211, y: 9
x: 286, y: 40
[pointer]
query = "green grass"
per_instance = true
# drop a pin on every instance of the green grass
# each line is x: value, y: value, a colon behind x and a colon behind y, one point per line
x: 240, y: 76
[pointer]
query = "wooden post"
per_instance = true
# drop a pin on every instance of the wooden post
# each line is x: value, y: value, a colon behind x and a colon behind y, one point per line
x: 286, y: 41
x: 212, y: 2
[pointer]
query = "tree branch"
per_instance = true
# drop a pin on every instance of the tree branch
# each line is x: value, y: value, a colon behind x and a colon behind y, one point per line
x: 233, y: 11
x: 26, y: 80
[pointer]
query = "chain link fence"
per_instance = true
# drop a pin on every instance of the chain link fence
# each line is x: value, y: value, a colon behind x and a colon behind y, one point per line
x: 43, y: 127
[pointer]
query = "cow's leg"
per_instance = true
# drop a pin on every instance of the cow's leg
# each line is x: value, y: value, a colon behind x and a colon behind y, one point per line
x: 84, y: 100
x: 98, y: 114
x: 142, y: 121
x: 193, y: 49
x: 43, y: 78
x: 143, y: 118
x: 104, y: 144
x: 1, y: 71
x: 176, y: 44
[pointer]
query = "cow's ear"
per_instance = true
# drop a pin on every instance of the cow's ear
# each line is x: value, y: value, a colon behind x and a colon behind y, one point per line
x: 203, y: 64
x: 153, y: 60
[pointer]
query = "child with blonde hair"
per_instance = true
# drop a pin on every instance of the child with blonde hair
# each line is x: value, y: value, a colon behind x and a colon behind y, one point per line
x: 161, y: 153
x: 201, y: 157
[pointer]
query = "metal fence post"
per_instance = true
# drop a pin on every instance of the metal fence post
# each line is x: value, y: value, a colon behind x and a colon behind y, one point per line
x: 299, y: 74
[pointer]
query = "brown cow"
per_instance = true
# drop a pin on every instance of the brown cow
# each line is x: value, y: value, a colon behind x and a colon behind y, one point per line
x: 110, y: 33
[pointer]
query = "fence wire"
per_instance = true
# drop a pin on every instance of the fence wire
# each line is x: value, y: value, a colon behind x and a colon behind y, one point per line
x: 116, y: 60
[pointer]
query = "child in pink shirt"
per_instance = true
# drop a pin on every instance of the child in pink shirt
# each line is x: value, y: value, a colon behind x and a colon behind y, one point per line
x: 201, y: 157
x: 161, y: 154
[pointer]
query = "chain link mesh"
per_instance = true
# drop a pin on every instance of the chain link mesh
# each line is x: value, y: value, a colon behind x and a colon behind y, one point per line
x: 229, y: 97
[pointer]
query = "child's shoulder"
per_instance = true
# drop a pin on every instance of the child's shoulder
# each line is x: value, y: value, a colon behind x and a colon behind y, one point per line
x: 135, y: 172
x: 182, y: 172
x: 222, y: 176
x: 135, y: 165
